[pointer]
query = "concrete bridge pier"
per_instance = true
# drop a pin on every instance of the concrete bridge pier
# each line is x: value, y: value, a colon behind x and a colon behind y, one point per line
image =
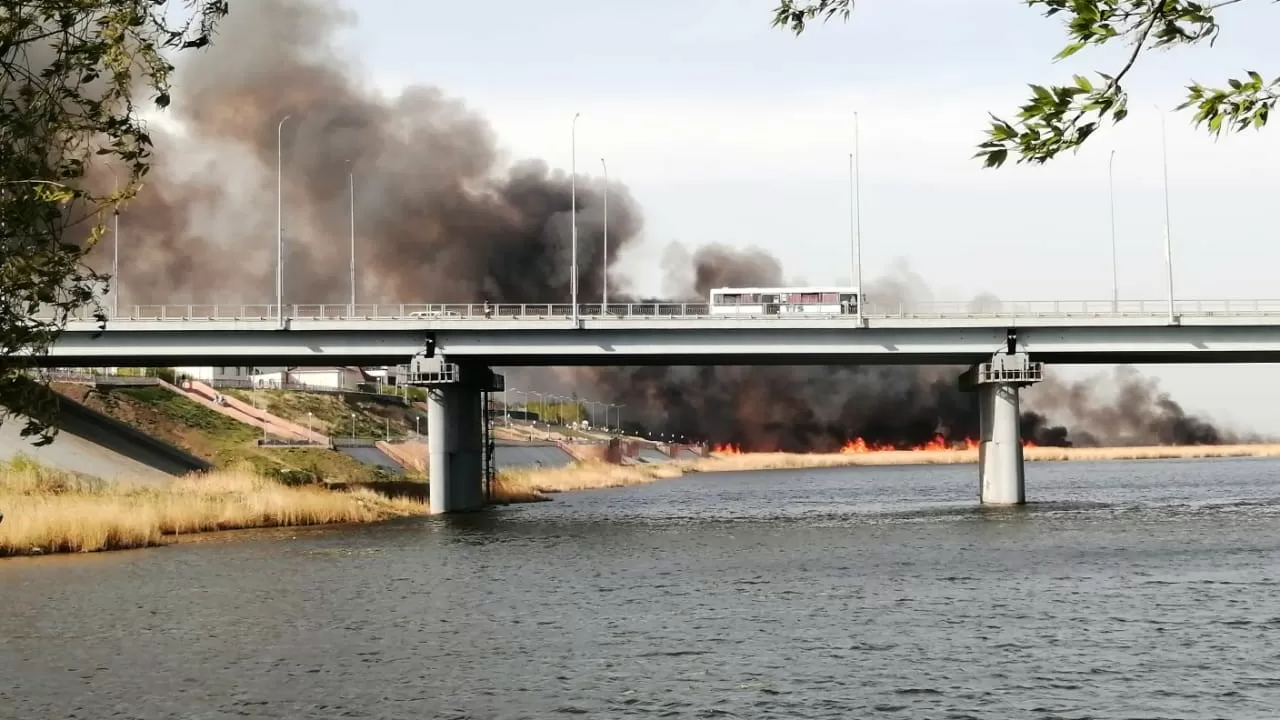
x: 459, y: 461
x: 456, y: 449
x: 1001, y: 477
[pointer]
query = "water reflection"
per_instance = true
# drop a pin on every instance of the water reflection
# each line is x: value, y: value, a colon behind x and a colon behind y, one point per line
x: 1123, y: 590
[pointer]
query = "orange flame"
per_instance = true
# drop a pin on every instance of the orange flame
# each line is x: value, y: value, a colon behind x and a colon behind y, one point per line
x: 859, y: 445
x: 937, y: 444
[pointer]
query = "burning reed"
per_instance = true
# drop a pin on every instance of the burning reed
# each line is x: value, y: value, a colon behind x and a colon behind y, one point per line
x: 532, y: 485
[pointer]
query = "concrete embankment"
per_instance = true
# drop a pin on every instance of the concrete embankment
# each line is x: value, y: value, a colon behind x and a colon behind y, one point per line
x: 91, y: 443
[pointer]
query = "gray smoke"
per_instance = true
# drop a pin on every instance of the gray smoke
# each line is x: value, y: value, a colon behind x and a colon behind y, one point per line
x: 439, y: 218
x: 1124, y: 408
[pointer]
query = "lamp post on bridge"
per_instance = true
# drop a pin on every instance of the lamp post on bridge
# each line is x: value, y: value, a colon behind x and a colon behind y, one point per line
x: 115, y: 247
x: 573, y: 231
x: 1168, y: 243
x: 1115, y: 282
x: 280, y: 221
x: 855, y: 216
x: 604, y: 272
x: 351, y: 185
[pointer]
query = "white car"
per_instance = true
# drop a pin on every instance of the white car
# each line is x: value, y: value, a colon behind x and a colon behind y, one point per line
x: 434, y: 314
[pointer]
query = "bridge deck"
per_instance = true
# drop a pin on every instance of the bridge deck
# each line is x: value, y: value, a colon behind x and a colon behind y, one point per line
x: 1074, y: 336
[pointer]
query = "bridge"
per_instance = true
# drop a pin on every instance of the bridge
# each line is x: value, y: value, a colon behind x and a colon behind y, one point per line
x: 451, y: 350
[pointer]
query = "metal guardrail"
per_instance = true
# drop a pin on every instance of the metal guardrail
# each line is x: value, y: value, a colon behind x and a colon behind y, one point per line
x: 96, y: 378
x: 694, y: 311
x: 992, y: 373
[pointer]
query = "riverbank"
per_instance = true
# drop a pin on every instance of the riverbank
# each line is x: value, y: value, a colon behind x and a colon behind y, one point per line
x: 778, y: 461
x: 533, y: 485
x: 49, y: 511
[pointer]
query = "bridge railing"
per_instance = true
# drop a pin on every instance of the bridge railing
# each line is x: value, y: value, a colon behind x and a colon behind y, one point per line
x: 691, y: 311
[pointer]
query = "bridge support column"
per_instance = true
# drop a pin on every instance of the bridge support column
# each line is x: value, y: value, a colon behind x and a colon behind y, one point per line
x: 456, y: 449
x: 1001, y: 476
x: 459, y: 464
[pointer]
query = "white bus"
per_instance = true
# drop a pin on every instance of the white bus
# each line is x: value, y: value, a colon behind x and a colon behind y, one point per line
x: 825, y: 300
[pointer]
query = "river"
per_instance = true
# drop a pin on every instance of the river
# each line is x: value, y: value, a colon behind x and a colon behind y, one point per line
x: 1126, y: 590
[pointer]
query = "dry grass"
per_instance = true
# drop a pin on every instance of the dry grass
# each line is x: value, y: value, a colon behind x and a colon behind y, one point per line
x: 777, y: 461
x: 49, y: 511
x: 533, y: 485
x: 1152, y: 453
x: 590, y: 475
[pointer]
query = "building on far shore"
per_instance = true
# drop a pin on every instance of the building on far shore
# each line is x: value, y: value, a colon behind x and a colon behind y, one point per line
x: 322, y: 378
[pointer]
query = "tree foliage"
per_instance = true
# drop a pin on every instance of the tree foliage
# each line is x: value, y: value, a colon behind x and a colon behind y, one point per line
x: 1061, y: 117
x: 71, y: 75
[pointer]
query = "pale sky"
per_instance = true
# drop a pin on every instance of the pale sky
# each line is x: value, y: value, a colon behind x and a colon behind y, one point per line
x: 727, y: 130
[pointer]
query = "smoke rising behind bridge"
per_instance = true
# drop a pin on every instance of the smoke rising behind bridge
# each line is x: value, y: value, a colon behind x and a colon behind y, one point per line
x: 441, y: 216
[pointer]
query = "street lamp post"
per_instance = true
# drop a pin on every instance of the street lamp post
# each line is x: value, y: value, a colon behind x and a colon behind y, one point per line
x: 353, y: 426
x: 351, y: 184
x: 1168, y: 243
x: 280, y: 220
x: 1115, y: 281
x: 604, y: 294
x: 115, y: 249
x: 855, y: 216
x: 573, y: 205
x: 310, y: 438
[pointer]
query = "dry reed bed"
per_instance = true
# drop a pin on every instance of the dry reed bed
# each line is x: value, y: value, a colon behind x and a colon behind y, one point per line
x: 778, y: 461
x: 532, y: 485
x: 47, y: 511
x: 587, y: 475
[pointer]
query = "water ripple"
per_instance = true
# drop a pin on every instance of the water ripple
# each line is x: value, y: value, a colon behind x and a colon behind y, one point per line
x: 1131, y: 590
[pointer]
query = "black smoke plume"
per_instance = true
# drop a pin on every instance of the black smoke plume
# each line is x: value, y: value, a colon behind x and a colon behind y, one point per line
x: 440, y: 217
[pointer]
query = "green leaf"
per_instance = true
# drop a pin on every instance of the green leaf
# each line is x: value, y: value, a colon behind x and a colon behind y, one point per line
x: 1069, y: 50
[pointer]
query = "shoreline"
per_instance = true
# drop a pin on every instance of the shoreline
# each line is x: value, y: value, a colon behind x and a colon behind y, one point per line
x: 49, y: 512
x: 538, y: 485
x: 766, y: 461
